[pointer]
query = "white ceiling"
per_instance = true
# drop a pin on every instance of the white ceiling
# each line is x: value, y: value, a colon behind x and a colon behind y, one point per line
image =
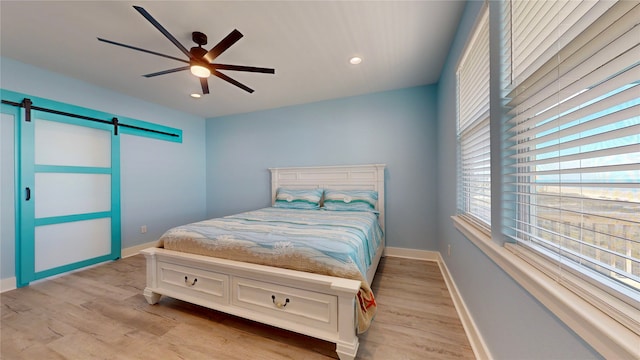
x: 309, y: 43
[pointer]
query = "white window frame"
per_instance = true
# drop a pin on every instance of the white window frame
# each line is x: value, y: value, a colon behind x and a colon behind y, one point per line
x: 566, y: 101
x: 473, y: 133
x: 585, y: 308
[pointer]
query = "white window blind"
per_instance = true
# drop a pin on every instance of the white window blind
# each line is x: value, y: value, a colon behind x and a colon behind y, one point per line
x: 573, y: 138
x: 540, y: 27
x: 474, y: 175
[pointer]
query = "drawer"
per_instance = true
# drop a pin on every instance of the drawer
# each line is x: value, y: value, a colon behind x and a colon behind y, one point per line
x: 286, y: 303
x: 193, y: 282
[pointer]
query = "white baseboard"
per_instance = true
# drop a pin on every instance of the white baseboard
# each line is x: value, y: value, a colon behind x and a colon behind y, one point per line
x: 411, y: 253
x: 134, y: 250
x: 478, y: 345
x: 8, y: 284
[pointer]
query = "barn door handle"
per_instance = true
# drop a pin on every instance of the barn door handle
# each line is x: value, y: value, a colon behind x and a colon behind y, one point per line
x: 28, y: 195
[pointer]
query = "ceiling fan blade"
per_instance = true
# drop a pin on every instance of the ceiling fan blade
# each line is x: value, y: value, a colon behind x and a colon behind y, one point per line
x: 205, y: 85
x: 164, y: 31
x: 223, y: 45
x: 234, y: 82
x: 166, y: 71
x: 143, y: 50
x: 243, y: 68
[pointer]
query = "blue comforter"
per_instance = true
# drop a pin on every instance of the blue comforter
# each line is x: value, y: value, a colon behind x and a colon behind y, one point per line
x: 335, y: 243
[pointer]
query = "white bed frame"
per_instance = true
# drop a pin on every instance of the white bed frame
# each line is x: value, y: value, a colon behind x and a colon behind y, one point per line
x: 316, y: 305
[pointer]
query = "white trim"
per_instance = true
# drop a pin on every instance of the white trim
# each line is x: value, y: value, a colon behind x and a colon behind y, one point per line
x: 135, y: 250
x: 8, y: 284
x: 607, y: 336
x: 478, y: 345
x: 411, y: 253
x: 623, y: 307
x: 471, y: 39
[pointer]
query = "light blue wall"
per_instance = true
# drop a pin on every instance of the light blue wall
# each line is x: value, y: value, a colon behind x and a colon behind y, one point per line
x: 394, y: 127
x: 162, y: 183
x: 513, y: 324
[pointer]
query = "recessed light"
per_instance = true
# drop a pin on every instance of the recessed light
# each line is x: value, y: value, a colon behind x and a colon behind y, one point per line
x: 355, y: 60
x: 195, y: 95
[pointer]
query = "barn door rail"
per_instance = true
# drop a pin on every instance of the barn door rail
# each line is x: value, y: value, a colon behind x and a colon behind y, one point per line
x: 27, y: 104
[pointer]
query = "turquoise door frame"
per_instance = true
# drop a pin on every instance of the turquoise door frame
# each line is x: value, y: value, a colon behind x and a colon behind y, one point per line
x: 27, y: 197
x: 25, y: 171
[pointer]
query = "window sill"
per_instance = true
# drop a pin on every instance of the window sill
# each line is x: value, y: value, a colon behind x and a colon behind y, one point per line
x: 606, y: 335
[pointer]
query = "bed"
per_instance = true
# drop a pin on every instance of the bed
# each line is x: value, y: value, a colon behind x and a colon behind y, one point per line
x: 319, y: 305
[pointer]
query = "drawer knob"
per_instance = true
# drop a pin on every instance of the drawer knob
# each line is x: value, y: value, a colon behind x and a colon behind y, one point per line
x: 279, y: 304
x: 186, y: 281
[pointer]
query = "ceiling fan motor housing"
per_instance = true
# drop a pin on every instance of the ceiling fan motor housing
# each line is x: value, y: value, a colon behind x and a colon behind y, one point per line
x: 199, y: 38
x: 198, y: 52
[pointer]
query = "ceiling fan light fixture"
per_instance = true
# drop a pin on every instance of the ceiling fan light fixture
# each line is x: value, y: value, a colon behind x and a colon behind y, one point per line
x: 200, y: 71
x: 195, y: 95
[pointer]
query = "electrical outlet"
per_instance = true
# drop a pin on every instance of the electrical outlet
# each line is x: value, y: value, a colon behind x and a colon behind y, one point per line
x: 449, y: 250
x: 143, y: 229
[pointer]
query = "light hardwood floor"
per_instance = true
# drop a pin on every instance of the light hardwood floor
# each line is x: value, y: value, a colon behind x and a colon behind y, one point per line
x: 100, y: 313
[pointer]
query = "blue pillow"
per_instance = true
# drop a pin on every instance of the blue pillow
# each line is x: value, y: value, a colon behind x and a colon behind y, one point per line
x: 350, y: 200
x: 298, y: 199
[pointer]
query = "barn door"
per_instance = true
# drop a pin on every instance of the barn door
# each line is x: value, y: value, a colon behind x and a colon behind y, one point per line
x: 69, y: 195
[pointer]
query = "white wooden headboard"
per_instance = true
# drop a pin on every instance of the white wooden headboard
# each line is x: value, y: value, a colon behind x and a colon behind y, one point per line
x: 349, y: 177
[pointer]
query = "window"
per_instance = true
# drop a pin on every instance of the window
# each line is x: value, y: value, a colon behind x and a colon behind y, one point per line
x: 474, y: 175
x: 573, y: 155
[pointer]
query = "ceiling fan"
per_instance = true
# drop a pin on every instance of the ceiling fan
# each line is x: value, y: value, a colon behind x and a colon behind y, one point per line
x: 199, y: 59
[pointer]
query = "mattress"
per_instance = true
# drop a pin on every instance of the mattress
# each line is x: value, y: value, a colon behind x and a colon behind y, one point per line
x: 334, y: 243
